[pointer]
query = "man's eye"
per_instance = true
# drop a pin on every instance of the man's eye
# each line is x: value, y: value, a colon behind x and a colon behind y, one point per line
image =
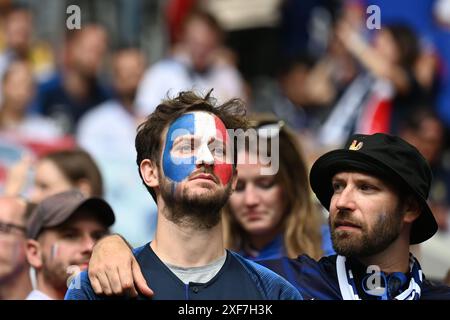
x: 218, y: 151
x: 337, y: 186
x: 186, y: 148
x: 70, y: 235
x: 367, y: 187
x: 98, y: 235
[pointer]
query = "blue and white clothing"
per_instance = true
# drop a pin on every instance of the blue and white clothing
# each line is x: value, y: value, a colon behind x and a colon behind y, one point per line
x: 323, y: 279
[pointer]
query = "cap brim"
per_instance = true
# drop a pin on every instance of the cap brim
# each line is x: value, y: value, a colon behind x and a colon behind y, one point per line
x: 336, y: 161
x: 101, y: 209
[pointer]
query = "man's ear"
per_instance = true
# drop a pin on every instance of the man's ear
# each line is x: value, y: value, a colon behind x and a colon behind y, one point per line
x: 149, y: 172
x: 34, y: 253
x: 412, y: 210
x: 85, y: 187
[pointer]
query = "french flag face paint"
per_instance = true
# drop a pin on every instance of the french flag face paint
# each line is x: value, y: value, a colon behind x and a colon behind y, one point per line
x: 54, y: 251
x: 193, y: 139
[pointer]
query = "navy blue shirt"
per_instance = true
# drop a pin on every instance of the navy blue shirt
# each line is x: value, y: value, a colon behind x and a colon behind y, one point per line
x: 238, y: 279
x: 276, y: 248
x: 318, y: 279
x: 54, y: 101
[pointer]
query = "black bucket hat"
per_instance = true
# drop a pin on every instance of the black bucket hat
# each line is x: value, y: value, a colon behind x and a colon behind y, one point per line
x: 387, y: 157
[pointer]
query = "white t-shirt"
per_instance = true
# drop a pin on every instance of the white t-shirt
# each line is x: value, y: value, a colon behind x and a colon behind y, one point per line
x: 37, y: 295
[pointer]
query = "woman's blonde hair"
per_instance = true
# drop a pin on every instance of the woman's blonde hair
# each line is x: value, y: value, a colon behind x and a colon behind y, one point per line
x: 302, y: 219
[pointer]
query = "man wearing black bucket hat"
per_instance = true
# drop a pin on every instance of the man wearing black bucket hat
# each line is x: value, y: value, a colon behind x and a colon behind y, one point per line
x: 375, y: 189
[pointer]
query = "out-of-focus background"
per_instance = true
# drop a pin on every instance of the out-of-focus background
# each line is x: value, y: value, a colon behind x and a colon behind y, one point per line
x: 326, y: 68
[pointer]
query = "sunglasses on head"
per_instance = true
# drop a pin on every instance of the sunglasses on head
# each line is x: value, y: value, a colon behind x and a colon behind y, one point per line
x: 268, y: 129
x: 8, y: 228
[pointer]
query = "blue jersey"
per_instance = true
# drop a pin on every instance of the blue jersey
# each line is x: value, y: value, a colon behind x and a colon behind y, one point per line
x: 238, y: 279
x: 319, y: 280
x: 276, y: 248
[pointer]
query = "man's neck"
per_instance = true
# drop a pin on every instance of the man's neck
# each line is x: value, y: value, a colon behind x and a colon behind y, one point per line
x: 395, y: 258
x: 16, y: 288
x: 76, y: 84
x: 186, y: 246
x: 48, y: 289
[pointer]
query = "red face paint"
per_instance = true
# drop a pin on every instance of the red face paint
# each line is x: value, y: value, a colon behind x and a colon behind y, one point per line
x: 223, y: 169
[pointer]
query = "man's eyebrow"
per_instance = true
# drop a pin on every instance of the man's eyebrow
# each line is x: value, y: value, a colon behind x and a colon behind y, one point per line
x: 183, y: 138
x: 216, y: 141
x: 337, y: 178
x: 370, y: 180
x: 68, y: 228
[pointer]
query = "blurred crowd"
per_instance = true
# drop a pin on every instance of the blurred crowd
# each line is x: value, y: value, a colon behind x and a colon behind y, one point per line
x: 71, y: 100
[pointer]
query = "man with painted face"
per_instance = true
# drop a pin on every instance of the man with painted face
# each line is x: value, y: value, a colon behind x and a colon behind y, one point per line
x: 185, y: 160
x: 376, y: 189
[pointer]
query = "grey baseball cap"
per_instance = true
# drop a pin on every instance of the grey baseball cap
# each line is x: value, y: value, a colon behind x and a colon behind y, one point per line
x: 57, y: 209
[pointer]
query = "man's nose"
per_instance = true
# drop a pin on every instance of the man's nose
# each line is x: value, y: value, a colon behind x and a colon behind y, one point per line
x: 88, y: 244
x: 205, y: 156
x: 344, y: 200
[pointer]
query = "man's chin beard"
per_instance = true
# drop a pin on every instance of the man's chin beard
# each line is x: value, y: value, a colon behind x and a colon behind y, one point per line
x: 363, y: 246
x: 200, y: 211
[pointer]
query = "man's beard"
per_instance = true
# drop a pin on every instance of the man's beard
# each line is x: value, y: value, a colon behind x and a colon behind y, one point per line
x: 200, y: 211
x: 384, y: 232
x: 57, y: 273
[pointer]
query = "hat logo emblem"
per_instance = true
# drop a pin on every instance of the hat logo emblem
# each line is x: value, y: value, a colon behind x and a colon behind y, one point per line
x: 356, y: 145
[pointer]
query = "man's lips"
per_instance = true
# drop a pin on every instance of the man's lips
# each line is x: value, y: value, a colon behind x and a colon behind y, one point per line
x: 344, y: 224
x: 204, y: 176
x: 82, y: 264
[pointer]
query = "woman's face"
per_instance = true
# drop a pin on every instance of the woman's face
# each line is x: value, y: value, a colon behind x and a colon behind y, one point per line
x: 257, y: 203
x: 48, y: 181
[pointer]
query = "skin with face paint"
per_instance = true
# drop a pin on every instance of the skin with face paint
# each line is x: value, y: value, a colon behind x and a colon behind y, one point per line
x: 196, y: 168
x: 60, y: 251
x: 192, y: 181
x: 14, y: 280
x: 365, y: 214
x: 257, y: 204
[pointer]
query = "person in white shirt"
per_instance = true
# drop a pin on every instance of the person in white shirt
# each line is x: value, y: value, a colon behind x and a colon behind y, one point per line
x: 198, y: 62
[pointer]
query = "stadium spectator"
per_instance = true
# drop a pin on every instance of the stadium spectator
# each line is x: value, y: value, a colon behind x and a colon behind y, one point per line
x: 75, y: 88
x: 61, y: 233
x: 15, y: 283
x: 197, y: 62
x: 271, y: 216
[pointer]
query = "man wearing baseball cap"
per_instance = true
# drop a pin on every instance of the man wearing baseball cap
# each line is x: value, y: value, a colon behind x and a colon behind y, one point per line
x: 61, y: 233
x: 375, y: 189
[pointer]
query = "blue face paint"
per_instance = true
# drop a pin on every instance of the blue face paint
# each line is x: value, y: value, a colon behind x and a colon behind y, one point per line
x: 173, y: 168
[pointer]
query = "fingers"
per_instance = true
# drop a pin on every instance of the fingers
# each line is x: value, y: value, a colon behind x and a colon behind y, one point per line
x: 104, y: 286
x: 126, y: 281
x: 114, y: 280
x: 140, y: 281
